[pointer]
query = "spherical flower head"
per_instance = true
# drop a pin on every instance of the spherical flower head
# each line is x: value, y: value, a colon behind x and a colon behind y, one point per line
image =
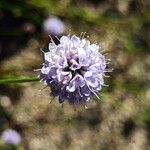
x: 10, y: 136
x: 73, y: 69
x: 53, y: 25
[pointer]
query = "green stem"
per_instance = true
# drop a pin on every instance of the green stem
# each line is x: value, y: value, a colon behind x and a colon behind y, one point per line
x: 20, y: 80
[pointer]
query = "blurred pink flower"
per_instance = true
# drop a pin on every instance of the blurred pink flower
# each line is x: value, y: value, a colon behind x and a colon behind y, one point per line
x: 53, y: 25
x: 10, y: 136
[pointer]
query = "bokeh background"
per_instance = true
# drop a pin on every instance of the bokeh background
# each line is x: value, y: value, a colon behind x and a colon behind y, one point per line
x: 121, y: 119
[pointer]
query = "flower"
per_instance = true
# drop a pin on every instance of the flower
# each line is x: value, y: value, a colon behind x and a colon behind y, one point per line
x: 73, y: 69
x: 53, y: 25
x: 10, y: 136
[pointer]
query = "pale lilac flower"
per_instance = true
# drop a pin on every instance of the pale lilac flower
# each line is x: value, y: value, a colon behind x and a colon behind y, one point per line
x: 10, y: 136
x: 73, y: 69
x: 54, y: 26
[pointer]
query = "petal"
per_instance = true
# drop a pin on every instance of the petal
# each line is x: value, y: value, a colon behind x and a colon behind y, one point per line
x: 64, y: 76
x: 67, y: 78
x: 63, y: 95
x: 47, y: 56
x: 76, y: 82
x: 74, y: 65
x: 94, y: 48
x: 75, y: 41
x: 52, y: 46
x: 91, y: 81
x: 83, y: 58
x: 71, y: 87
x: 65, y: 73
x: 101, y: 79
x: 79, y: 80
x: 60, y: 77
x: 64, y: 39
x: 84, y: 61
x: 85, y: 91
x: 74, y: 97
x: 45, y: 70
x: 62, y: 62
x: 88, y: 74
x: 81, y: 52
x: 52, y: 71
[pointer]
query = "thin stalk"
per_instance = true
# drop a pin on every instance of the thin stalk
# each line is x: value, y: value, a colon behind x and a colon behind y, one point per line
x: 19, y: 80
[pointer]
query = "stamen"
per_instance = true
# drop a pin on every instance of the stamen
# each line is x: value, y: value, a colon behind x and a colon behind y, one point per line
x: 80, y: 92
x: 37, y: 69
x: 88, y: 99
x: 42, y: 50
x: 88, y: 37
x: 85, y: 106
x: 57, y: 38
x: 103, y: 51
x: 51, y: 39
x: 106, y: 85
x: 42, y: 79
x: 107, y: 63
x: 107, y: 59
x: 93, y: 92
x: 69, y: 32
x: 106, y: 76
x: 105, y: 54
x: 95, y: 42
x: 96, y: 95
x: 108, y: 70
x: 81, y: 35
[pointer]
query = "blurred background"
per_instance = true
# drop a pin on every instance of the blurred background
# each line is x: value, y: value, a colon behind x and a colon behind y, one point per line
x: 120, y: 120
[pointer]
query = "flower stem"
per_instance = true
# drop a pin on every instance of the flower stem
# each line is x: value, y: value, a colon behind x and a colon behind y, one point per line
x: 19, y: 80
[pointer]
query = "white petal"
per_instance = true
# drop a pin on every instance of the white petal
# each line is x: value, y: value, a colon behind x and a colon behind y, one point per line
x: 45, y: 70
x: 74, y: 65
x: 67, y: 78
x: 52, y: 46
x: 65, y: 73
x: 71, y: 87
x: 88, y: 74
x: 94, y: 47
x: 81, y: 52
x: 75, y: 41
x: 47, y: 56
x: 64, y: 39
x: 92, y: 81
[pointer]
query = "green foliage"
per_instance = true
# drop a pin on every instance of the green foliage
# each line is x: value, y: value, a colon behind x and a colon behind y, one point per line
x: 145, y: 115
x: 22, y: 9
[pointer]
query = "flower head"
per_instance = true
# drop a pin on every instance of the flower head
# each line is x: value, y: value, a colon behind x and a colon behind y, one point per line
x: 11, y: 137
x: 73, y: 69
x: 53, y: 25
